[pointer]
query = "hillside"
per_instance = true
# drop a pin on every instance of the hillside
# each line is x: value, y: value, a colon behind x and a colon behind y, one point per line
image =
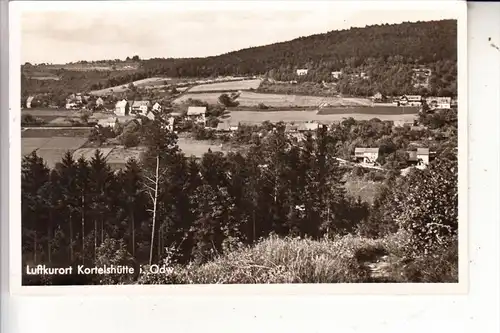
x: 386, y: 53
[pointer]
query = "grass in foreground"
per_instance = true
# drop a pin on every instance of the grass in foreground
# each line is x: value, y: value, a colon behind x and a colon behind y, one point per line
x: 348, y: 259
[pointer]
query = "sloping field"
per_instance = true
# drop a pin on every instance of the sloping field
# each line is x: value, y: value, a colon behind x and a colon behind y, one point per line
x: 149, y: 82
x: 88, y: 153
x: 228, y: 86
x: 30, y: 144
x: 248, y: 98
x: 49, y: 113
x: 195, y: 147
x: 257, y: 117
x: 39, y: 133
x: 51, y: 156
x: 65, y: 143
x: 120, y: 155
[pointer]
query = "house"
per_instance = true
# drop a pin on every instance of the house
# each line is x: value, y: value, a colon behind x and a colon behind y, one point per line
x: 307, y: 127
x: 99, y: 102
x: 234, y: 127
x: 140, y: 107
x: 291, y: 128
x: 336, y: 74
x: 197, y: 113
x: 366, y: 155
x: 28, y: 101
x: 223, y: 127
x: 378, y: 97
x: 150, y: 115
x: 156, y: 107
x: 410, y: 100
x: 420, y: 157
x: 438, y: 102
x: 108, y: 122
x: 122, y: 108
x: 302, y: 72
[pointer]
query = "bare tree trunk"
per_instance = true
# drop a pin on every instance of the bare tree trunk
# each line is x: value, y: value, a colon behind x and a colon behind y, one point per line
x: 154, y: 209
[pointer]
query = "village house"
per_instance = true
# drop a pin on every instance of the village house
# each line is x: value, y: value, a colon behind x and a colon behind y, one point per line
x: 420, y: 157
x: 410, y: 100
x: 150, y: 115
x: 366, y: 155
x: 223, y: 127
x: 336, y: 74
x: 197, y: 113
x: 108, y: 122
x: 156, y: 107
x: 141, y: 107
x: 122, y: 108
x: 302, y: 72
x: 304, y: 127
x: 438, y: 102
x: 99, y: 102
x: 28, y: 101
x: 378, y: 97
x: 171, y: 124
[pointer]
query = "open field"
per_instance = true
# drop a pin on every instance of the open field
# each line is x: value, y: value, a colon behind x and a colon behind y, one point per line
x: 51, y: 149
x: 50, y: 112
x: 365, y: 190
x: 248, y: 98
x: 228, y: 86
x: 195, y: 147
x: 88, y: 153
x: 39, y: 133
x: 257, y: 117
x: 375, y: 110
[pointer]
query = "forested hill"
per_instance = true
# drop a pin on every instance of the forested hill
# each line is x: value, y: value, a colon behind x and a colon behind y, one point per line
x: 421, y: 42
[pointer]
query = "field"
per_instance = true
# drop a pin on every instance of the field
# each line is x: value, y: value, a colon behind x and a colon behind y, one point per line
x: 249, y: 99
x: 51, y: 149
x: 227, y: 86
x: 365, y: 190
x: 375, y: 110
x: 257, y: 117
x: 40, y: 133
x: 196, y: 148
x: 50, y: 112
x: 88, y: 153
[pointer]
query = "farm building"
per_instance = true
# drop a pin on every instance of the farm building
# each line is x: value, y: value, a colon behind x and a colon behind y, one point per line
x: 197, y: 113
x: 438, y: 102
x: 141, y: 107
x: 366, y: 155
x: 122, y: 108
x: 150, y: 115
x: 28, y: 101
x: 410, y: 100
x: 308, y: 127
x: 291, y: 128
x: 302, y: 72
x: 378, y: 97
x: 108, y: 122
x: 156, y: 107
x: 420, y: 157
x: 99, y: 102
x: 223, y: 127
x: 337, y: 74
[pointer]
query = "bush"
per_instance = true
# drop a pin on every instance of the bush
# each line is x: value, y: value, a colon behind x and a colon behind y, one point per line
x: 130, y: 139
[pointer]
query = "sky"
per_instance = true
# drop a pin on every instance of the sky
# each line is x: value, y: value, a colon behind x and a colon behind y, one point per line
x: 96, y: 33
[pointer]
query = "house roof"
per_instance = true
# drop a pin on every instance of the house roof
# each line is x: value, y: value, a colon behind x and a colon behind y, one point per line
x: 366, y: 150
x: 140, y: 103
x: 422, y: 151
x: 121, y: 104
x: 196, y: 110
x: 224, y: 126
x: 30, y: 98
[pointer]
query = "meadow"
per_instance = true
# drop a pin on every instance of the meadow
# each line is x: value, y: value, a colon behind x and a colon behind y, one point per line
x: 256, y: 117
x: 227, y: 86
x: 252, y: 99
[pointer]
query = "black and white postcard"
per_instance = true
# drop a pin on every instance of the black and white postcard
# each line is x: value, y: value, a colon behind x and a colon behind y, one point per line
x: 172, y: 145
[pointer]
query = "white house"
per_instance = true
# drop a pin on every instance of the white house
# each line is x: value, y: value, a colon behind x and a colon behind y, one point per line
x: 108, y: 122
x: 122, y: 108
x: 197, y: 113
x: 336, y: 74
x: 99, y: 102
x: 150, y: 115
x: 141, y: 107
x: 28, y: 101
x: 439, y: 102
x: 171, y: 123
x: 410, y: 100
x: 301, y: 72
x: 366, y: 155
x: 156, y: 107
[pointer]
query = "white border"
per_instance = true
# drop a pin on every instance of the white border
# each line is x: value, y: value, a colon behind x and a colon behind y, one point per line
x: 230, y: 290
